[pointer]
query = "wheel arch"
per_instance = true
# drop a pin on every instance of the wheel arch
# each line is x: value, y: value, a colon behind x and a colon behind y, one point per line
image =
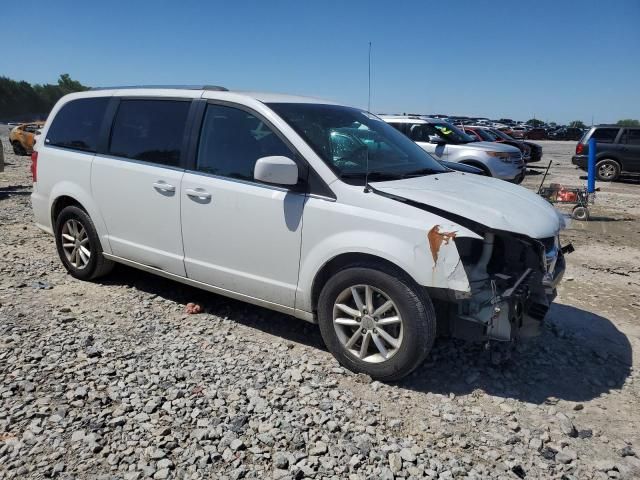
x: 352, y: 259
x: 66, y: 194
x: 477, y: 164
x: 609, y: 156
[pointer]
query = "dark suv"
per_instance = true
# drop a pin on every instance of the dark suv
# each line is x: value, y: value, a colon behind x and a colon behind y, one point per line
x: 617, y: 152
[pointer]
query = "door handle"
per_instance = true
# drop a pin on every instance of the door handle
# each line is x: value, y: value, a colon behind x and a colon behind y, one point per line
x: 197, y: 193
x: 164, y: 186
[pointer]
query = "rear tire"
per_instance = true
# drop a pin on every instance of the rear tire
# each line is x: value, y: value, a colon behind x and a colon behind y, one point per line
x: 384, y: 344
x: 607, y: 170
x: 79, y: 246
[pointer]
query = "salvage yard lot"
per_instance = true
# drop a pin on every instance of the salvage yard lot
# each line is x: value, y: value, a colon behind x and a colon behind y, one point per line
x: 112, y: 380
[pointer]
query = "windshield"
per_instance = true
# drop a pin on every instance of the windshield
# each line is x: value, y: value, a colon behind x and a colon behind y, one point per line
x: 485, y: 135
x: 502, y: 135
x: 348, y: 139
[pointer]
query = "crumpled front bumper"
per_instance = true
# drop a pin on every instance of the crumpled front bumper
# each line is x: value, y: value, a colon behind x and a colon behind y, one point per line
x: 509, y: 306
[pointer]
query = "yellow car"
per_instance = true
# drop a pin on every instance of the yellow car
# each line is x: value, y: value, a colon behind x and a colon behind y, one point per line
x: 22, y: 137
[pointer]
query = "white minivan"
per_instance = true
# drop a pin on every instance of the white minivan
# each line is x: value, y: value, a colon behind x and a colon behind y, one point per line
x: 314, y: 209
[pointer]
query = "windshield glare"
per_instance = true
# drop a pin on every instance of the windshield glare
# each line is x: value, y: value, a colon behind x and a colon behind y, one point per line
x: 348, y: 138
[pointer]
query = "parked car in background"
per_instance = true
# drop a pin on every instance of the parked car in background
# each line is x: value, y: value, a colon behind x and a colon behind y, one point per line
x: 222, y: 182
x: 617, y: 151
x: 518, y: 131
x: 461, y: 167
x: 537, y: 133
x: 483, y: 134
x: 535, y: 150
x: 22, y: 137
x: 446, y: 142
x: 566, y: 133
x: 506, y: 130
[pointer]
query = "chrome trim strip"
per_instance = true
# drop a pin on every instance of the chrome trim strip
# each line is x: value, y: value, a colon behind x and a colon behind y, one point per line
x: 301, y: 314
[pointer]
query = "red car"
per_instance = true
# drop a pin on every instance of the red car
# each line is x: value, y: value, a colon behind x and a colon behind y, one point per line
x: 484, y: 134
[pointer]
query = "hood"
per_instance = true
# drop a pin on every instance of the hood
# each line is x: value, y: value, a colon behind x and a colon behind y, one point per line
x: 492, y: 147
x: 494, y: 203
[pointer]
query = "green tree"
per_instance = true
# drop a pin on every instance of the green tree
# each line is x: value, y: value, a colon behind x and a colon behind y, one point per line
x: 628, y: 122
x: 534, y: 122
x: 577, y: 124
x: 23, y: 101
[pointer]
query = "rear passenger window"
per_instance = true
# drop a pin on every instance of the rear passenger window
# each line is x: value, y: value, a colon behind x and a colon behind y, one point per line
x: 420, y: 132
x: 77, y: 124
x: 605, y: 135
x: 633, y: 137
x: 232, y: 140
x: 150, y: 130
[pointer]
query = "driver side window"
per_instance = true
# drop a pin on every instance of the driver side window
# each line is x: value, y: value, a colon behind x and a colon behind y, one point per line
x: 232, y: 140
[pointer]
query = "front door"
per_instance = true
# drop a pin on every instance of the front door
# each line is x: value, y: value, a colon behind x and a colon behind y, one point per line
x: 137, y: 182
x: 240, y: 235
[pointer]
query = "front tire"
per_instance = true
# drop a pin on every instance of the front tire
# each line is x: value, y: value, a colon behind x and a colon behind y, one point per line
x: 607, y: 170
x: 79, y: 246
x: 376, y: 323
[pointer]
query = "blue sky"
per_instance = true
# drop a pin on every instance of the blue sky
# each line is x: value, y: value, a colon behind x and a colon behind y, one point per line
x: 557, y: 60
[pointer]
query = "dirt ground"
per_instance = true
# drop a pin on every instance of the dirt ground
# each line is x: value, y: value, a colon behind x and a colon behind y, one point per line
x: 564, y: 405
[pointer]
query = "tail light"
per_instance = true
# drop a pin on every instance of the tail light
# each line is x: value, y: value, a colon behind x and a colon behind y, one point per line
x: 579, y: 149
x: 34, y: 166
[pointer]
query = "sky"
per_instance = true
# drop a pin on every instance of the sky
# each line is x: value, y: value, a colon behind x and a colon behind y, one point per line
x: 549, y: 59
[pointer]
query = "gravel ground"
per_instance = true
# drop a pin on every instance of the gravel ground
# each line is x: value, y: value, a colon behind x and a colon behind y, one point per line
x: 113, y: 380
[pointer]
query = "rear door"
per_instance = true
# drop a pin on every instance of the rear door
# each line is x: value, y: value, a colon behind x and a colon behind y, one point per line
x: 240, y: 235
x: 609, y: 144
x: 136, y: 182
x: 631, y: 145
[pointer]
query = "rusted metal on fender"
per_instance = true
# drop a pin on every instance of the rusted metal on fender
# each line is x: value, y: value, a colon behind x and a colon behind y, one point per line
x: 447, y: 265
x: 436, y: 239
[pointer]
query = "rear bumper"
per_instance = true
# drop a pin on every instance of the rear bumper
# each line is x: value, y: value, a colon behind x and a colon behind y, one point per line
x: 40, y: 205
x: 581, y: 161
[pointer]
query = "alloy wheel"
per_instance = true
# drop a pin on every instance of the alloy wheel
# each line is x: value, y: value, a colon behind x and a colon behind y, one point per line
x: 75, y: 243
x: 368, y: 323
x: 607, y: 170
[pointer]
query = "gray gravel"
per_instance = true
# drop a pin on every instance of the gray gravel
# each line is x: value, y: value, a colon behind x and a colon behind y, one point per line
x: 113, y: 380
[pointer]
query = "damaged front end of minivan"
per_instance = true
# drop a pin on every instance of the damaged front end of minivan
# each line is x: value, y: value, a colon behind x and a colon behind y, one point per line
x: 496, y: 262
x: 512, y: 280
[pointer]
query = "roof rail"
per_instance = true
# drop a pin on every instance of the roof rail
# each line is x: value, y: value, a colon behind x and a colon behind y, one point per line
x: 174, y: 87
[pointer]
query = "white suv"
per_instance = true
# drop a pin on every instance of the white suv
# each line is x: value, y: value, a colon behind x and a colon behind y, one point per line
x: 310, y: 208
x: 447, y: 142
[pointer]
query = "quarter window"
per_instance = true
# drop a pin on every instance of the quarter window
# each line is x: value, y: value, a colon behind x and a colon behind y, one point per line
x: 77, y: 124
x: 633, y: 137
x: 150, y: 130
x: 232, y: 140
x: 605, y: 135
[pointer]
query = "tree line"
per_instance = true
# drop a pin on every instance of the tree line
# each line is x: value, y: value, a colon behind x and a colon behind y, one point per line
x: 627, y: 122
x: 20, y: 100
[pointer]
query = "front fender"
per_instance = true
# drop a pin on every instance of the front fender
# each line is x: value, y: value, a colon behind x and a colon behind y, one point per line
x: 429, y: 256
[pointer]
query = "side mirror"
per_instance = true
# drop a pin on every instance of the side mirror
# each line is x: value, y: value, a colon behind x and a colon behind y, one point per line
x: 437, y: 139
x: 276, y: 170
